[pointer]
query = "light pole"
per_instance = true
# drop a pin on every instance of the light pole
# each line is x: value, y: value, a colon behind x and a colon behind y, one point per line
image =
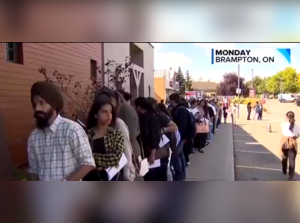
x: 238, y: 113
x: 252, y: 80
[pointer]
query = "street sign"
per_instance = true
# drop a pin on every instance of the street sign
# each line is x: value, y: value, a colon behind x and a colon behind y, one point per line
x: 238, y: 90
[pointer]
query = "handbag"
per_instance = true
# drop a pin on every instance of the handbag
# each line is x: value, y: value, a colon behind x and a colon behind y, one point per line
x: 202, y: 128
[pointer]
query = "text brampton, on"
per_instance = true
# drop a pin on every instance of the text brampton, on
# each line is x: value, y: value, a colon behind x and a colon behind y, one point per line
x: 238, y: 56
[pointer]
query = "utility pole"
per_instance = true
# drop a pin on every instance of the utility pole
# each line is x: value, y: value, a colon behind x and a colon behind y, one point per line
x: 238, y: 113
x: 252, y: 80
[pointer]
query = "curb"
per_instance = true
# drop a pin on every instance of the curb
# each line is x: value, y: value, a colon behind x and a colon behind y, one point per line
x: 233, y: 122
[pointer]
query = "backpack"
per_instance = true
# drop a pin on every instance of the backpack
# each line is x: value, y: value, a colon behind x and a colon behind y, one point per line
x: 191, y: 123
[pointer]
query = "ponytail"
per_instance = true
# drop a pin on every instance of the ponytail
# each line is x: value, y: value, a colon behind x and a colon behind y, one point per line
x: 291, y: 117
x: 292, y: 124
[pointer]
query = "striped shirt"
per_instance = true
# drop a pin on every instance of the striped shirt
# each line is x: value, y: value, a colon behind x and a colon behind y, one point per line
x: 55, y: 152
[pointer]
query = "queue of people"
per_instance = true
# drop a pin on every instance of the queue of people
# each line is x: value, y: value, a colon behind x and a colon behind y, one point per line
x: 120, y: 142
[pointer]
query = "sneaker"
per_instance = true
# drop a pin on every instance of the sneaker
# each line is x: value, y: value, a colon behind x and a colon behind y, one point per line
x: 201, y: 150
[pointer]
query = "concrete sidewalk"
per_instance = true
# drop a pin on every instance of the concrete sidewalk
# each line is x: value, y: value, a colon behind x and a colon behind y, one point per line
x: 217, y: 161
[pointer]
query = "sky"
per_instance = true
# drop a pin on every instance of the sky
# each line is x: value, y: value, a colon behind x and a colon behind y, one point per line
x: 196, y: 58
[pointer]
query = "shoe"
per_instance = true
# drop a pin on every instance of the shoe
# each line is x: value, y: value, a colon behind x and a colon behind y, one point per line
x: 284, y: 172
x: 201, y: 150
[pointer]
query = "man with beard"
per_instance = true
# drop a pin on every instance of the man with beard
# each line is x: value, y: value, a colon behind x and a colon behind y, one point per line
x: 58, y: 149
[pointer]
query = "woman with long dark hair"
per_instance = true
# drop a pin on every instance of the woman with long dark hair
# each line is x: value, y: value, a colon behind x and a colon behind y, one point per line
x: 107, y: 142
x: 288, y: 145
x: 150, y: 134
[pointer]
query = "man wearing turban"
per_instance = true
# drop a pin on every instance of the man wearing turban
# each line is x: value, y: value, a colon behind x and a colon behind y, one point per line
x: 58, y: 149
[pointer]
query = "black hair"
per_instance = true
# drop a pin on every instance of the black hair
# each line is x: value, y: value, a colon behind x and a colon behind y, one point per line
x: 145, y: 104
x: 99, y: 102
x: 249, y: 103
x: 127, y: 96
x: 152, y: 101
x: 161, y: 107
x: 193, y: 102
x: 138, y: 101
x: 291, y: 116
x: 108, y: 92
x: 175, y: 97
x: 162, y: 101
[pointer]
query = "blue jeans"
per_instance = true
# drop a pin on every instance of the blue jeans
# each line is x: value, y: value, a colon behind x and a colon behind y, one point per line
x: 178, y: 163
x: 209, y: 135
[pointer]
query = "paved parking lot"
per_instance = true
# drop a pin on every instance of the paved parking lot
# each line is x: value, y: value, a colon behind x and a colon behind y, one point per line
x: 257, y: 154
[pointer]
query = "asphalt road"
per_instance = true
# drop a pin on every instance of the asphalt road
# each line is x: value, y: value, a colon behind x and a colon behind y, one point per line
x: 257, y: 155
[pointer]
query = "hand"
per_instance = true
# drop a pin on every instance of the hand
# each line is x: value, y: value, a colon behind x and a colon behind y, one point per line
x: 151, y: 158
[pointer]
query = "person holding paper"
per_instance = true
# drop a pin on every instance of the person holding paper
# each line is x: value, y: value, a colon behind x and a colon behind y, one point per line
x: 107, y: 142
x: 168, y: 128
x: 150, y: 133
x: 128, y: 114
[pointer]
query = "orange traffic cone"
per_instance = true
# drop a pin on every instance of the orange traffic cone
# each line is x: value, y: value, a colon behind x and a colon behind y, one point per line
x: 269, y: 127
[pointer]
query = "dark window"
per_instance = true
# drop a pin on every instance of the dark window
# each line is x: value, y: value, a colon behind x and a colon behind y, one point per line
x: 94, y: 69
x: 14, y: 52
x: 137, y: 55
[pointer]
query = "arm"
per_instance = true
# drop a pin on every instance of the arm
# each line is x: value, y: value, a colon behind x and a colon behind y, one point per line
x: 80, y: 145
x: 132, y: 121
x: 172, y: 127
x: 32, y: 160
x: 127, y: 145
x: 112, y: 157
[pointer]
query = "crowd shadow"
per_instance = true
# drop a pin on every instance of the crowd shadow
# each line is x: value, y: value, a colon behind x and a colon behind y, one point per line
x: 253, y: 161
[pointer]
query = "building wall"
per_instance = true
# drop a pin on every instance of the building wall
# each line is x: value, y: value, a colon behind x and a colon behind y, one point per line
x: 148, y: 68
x: 118, y: 53
x: 17, y: 79
x: 160, y: 89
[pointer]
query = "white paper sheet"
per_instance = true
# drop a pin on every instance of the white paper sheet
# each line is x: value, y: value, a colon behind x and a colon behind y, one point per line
x: 112, y: 171
x: 163, y: 141
x: 155, y: 164
x: 144, y: 167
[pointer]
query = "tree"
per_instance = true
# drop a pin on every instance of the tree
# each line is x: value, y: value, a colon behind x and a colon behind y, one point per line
x: 258, y: 83
x: 180, y: 79
x: 188, y: 81
x: 117, y: 73
x: 229, y: 84
x: 285, y: 81
x: 78, y: 96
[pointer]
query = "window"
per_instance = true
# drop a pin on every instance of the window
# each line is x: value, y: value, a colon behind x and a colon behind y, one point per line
x: 94, y: 69
x: 14, y: 52
x: 137, y: 55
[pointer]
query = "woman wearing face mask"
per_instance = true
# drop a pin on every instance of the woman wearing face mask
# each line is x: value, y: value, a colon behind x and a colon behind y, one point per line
x: 107, y: 142
x: 288, y: 145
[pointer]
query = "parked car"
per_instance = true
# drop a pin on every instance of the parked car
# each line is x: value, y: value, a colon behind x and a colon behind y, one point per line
x: 297, y: 100
x: 286, y: 98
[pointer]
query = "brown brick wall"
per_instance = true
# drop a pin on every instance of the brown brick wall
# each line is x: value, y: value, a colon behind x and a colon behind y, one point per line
x: 16, y: 80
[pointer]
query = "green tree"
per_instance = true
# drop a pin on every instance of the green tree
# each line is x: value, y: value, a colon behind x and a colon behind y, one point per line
x: 290, y: 79
x: 188, y: 81
x: 181, y: 80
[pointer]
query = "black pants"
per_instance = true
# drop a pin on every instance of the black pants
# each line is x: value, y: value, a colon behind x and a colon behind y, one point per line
x: 218, y: 121
x: 159, y: 173
x: 289, y: 156
x: 260, y: 116
x: 249, y: 115
x: 188, y: 149
x: 214, y: 125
